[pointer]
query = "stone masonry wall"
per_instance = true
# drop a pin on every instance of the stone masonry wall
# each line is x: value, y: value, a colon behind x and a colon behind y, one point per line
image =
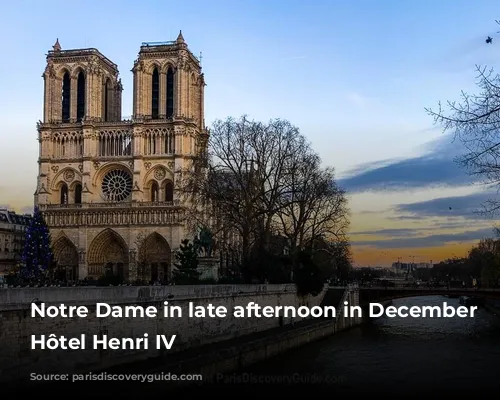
x: 17, y: 360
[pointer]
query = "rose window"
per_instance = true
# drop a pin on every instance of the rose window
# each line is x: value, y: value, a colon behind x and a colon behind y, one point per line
x: 116, y: 185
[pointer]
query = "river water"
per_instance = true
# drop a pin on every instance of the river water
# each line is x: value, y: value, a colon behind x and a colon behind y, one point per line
x: 394, y: 355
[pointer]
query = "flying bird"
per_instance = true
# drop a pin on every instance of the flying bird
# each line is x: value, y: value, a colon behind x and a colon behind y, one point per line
x: 489, y: 40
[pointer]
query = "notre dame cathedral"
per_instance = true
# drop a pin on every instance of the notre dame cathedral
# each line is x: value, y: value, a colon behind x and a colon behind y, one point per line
x: 106, y: 185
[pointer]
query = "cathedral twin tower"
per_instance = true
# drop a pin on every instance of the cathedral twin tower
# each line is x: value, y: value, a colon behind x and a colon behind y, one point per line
x: 106, y: 185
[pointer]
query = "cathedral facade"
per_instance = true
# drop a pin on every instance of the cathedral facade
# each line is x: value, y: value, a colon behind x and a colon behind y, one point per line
x: 107, y: 185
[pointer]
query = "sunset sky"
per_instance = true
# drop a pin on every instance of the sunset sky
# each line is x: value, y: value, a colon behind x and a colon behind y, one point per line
x: 354, y: 76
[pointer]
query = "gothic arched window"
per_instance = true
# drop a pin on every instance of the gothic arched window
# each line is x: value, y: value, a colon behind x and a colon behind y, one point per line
x: 169, y: 192
x: 66, y: 97
x: 106, y: 100
x: 80, y: 97
x: 78, y: 194
x: 155, y: 94
x: 154, y: 192
x: 170, y: 93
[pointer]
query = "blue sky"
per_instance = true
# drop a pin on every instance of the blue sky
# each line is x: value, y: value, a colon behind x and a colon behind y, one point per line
x: 354, y: 76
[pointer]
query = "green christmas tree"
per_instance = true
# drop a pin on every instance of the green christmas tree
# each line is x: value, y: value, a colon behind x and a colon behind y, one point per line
x: 37, y: 254
x: 187, y: 264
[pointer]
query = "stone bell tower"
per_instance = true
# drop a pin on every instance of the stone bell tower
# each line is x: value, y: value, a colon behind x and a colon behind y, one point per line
x: 107, y: 186
x: 80, y: 85
x: 168, y: 83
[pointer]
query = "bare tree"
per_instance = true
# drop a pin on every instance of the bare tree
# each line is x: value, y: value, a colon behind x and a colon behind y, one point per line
x: 257, y: 180
x: 314, y: 205
x: 485, y: 257
x: 240, y: 181
x: 278, y: 150
x: 333, y: 257
x: 475, y: 122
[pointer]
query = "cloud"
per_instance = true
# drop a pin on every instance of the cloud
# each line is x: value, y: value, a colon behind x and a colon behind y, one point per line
x: 405, y: 232
x: 467, y: 207
x: 433, y: 225
x: 427, y: 241
x: 412, y: 173
x: 406, y: 217
x: 436, y: 168
x: 361, y: 168
x: 368, y: 212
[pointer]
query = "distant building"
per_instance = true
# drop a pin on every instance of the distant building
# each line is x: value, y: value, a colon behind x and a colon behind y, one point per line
x: 402, y: 268
x: 12, y: 233
x: 423, y: 265
x: 399, y: 266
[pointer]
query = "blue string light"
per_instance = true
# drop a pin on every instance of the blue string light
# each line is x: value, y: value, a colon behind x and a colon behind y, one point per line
x: 37, y: 254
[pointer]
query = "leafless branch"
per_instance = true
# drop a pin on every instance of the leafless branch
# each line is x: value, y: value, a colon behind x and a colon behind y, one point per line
x: 475, y: 122
x: 262, y: 179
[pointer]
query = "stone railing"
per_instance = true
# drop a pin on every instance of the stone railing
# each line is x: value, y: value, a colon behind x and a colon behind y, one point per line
x: 141, y: 204
x: 123, y: 217
x: 21, y: 298
x: 124, y: 121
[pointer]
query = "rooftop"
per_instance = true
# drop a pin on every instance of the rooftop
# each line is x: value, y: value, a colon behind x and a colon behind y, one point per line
x: 13, y: 218
x: 151, y: 44
x: 179, y: 43
x: 57, y: 52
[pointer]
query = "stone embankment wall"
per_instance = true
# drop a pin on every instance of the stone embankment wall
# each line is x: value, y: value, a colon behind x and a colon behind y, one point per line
x: 235, y: 357
x: 18, y: 360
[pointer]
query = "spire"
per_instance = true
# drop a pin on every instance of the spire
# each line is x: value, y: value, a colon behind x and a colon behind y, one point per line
x: 57, y: 46
x: 180, y: 38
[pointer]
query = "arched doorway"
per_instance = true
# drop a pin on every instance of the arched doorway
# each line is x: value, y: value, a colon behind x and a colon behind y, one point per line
x: 108, y: 254
x: 66, y: 258
x: 154, y: 259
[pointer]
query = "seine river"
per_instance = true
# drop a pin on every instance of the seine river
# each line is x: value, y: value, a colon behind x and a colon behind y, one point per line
x: 395, y: 355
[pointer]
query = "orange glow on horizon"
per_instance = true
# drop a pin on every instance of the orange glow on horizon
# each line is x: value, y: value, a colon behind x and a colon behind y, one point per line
x: 371, y: 256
